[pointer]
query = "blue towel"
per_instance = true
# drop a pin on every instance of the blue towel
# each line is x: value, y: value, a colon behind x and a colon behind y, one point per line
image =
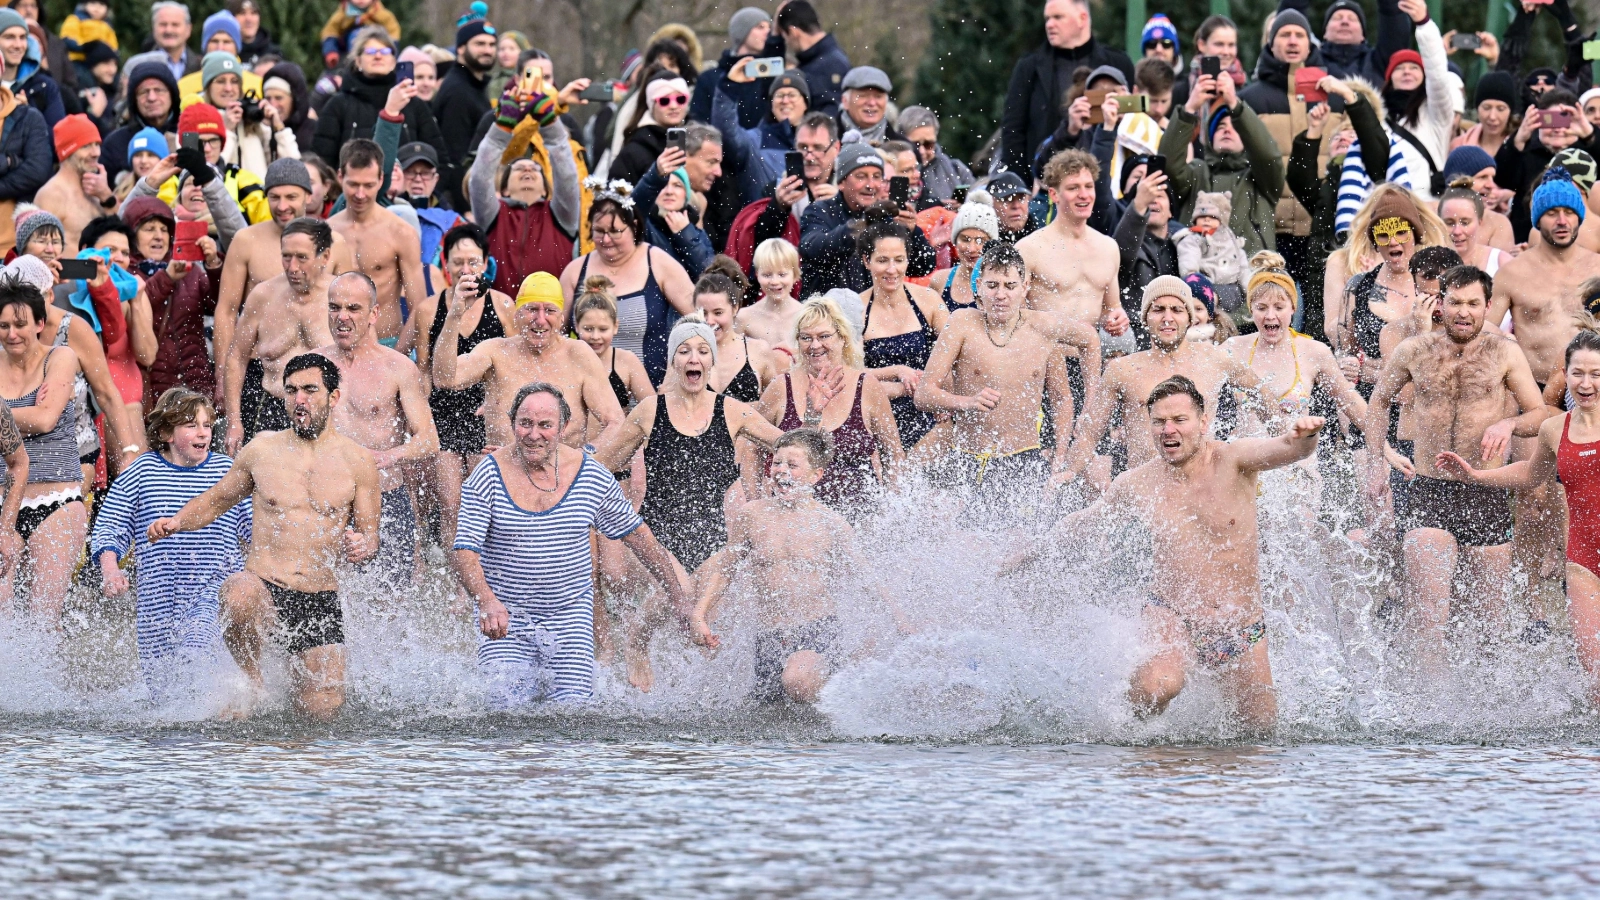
x: 127, y: 287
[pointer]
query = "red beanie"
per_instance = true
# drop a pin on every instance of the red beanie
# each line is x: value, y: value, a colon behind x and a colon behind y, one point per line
x: 1401, y: 56
x: 74, y: 133
x: 200, y: 118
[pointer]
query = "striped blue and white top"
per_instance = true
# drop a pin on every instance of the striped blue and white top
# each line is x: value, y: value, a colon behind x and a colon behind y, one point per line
x: 538, y: 558
x: 1356, y: 184
x: 185, y: 567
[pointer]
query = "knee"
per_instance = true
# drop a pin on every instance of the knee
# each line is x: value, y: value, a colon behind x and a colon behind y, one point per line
x: 803, y: 677
x: 1155, y: 684
x: 321, y: 702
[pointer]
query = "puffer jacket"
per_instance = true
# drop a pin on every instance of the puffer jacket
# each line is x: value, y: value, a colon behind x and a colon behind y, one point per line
x: 353, y: 113
x: 300, y: 121
x: 1284, y: 116
x: 1254, y: 178
x: 179, y: 309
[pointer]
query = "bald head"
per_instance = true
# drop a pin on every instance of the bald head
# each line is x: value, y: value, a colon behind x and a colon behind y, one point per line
x: 352, y: 310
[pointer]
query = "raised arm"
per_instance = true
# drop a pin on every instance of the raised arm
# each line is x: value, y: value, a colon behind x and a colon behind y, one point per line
x: 616, y: 449
x: 449, y: 373
x: 1261, y: 454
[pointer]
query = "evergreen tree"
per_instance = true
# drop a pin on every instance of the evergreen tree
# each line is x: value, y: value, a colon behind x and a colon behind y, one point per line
x: 972, y: 48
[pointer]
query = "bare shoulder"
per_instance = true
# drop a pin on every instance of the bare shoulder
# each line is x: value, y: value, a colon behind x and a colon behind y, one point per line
x: 580, y: 352
x: 963, y: 319
x: 1312, y: 349
x: 397, y: 363
x: 1234, y: 346
x: 1036, y: 242
x: 1102, y: 242
x: 357, y: 457
x: 925, y: 298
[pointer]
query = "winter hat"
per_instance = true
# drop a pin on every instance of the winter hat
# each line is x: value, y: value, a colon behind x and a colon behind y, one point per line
x: 631, y: 64
x: 1164, y: 286
x: 1580, y: 165
x: 222, y: 20
x: 1586, y: 96
x: 1543, y: 73
x: 689, y: 328
x: 216, y: 64
x: 148, y: 140
x: 1496, y: 86
x: 665, y: 87
x: 32, y: 270
x: 415, y: 55
x: 1160, y: 27
x: 1397, y: 205
x: 97, y: 52
x: 1468, y: 160
x: 30, y: 218
x: 741, y: 23
x: 854, y: 156
x: 865, y: 78
x: 1556, y: 190
x: 139, y: 210
x: 793, y: 78
x: 471, y: 30
x: 1221, y: 112
x: 1217, y: 204
x: 1352, y: 6
x: 1204, y: 291
x: 1401, y: 56
x: 977, y: 212
x: 914, y: 117
x: 287, y: 171
x: 73, y: 133
x: 200, y: 118
x: 1111, y: 72
x: 10, y: 18
x: 1284, y: 18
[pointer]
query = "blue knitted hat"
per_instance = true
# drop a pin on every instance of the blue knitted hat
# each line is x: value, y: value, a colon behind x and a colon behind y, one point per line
x: 1556, y: 190
x: 1158, y: 27
x: 1468, y: 160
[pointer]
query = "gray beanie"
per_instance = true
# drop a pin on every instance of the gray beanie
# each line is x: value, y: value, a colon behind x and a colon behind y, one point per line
x: 741, y: 23
x: 290, y: 172
x: 30, y: 218
x: 852, y: 157
x: 914, y: 117
x: 1287, y: 17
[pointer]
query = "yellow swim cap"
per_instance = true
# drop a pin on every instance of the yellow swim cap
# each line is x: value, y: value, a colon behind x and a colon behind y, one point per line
x: 540, y: 287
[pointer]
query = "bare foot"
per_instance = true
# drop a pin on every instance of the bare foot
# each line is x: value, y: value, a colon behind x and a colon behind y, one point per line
x: 640, y: 675
x: 243, y: 704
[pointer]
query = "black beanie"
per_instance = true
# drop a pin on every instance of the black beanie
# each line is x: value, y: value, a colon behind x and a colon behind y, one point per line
x: 1496, y: 86
x: 1351, y: 5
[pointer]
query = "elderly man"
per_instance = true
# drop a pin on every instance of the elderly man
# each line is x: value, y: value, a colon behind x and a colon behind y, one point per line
x: 419, y: 181
x: 828, y: 228
x: 462, y: 101
x: 170, y: 28
x: 816, y: 53
x: 941, y: 175
x: 866, y: 105
x: 1041, y: 79
x: 153, y: 103
x: 1011, y: 205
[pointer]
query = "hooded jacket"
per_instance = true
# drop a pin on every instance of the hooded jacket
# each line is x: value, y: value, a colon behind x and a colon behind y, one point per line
x: 300, y: 121
x: 36, y: 85
x: 1033, y: 99
x: 1284, y: 117
x: 114, y: 150
x: 691, y: 247
x: 178, y: 309
x: 1254, y: 178
x: 353, y: 112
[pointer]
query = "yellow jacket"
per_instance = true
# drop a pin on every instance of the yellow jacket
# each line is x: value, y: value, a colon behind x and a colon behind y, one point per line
x: 341, y: 23
x: 189, y: 86
x: 243, y: 186
x: 82, y: 31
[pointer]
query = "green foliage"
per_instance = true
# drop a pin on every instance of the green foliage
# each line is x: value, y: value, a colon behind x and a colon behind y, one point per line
x: 972, y: 48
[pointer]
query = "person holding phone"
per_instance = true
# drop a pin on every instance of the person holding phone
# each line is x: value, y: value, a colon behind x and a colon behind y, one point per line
x: 364, y: 95
x: 1553, y: 124
x: 668, y: 98
x: 750, y: 37
x: 759, y: 151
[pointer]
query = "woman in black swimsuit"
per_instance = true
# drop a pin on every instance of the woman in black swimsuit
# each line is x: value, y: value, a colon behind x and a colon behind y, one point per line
x: 464, y: 253
x: 745, y: 365
x: 901, y: 323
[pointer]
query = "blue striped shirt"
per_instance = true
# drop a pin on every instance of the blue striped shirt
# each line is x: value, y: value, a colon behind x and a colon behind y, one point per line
x: 537, y: 558
x: 1356, y: 184
x: 182, y: 571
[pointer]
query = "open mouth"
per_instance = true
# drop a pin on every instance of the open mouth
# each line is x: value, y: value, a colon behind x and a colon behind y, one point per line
x: 1272, y: 328
x: 693, y: 374
x: 1171, y: 443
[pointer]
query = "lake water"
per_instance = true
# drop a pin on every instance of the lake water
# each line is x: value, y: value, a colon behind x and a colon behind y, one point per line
x: 989, y: 754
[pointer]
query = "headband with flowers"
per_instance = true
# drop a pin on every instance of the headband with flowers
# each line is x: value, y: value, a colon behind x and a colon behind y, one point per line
x: 617, y: 191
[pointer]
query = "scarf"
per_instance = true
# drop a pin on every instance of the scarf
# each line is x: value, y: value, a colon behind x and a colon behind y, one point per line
x: 871, y: 135
x: 127, y: 287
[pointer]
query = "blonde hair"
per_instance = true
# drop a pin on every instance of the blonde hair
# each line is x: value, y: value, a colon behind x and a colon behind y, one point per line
x: 819, y: 310
x: 1430, y: 228
x: 775, y: 255
x: 594, y: 295
x: 1269, y: 275
x: 178, y: 406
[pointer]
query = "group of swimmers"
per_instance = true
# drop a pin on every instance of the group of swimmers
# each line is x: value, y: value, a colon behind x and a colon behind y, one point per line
x: 576, y: 499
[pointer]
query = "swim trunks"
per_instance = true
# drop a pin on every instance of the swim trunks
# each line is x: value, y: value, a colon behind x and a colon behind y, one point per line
x: 773, y: 649
x: 1003, y: 487
x: 1213, y: 648
x: 309, y: 619
x: 1476, y: 515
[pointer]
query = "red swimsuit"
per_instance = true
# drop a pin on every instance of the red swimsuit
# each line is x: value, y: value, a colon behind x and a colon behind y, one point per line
x: 1579, y: 468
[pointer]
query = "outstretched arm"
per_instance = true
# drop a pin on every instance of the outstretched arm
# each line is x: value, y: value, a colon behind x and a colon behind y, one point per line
x: 204, y: 509
x: 659, y: 561
x: 1261, y: 454
x: 615, y: 449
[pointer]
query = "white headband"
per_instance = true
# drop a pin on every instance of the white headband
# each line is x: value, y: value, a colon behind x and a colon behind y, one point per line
x: 664, y: 87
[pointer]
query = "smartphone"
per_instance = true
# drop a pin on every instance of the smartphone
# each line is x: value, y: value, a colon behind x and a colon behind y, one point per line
x: 770, y: 67
x: 81, y: 269
x: 185, y: 241
x: 1305, y: 85
x: 1097, y: 98
x: 677, y: 137
x: 1156, y: 163
x: 958, y: 195
x: 1591, y: 50
x: 602, y: 91
x: 900, y: 191
x: 532, y: 80
x: 1132, y: 103
x: 1211, y: 65
x: 1466, y: 41
x: 191, y: 141
x: 794, y: 165
x: 1557, y: 118
x: 405, y: 71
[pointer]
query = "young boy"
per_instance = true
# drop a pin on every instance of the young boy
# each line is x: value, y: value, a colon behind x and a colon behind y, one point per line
x: 91, y: 21
x: 772, y: 318
x: 793, y: 545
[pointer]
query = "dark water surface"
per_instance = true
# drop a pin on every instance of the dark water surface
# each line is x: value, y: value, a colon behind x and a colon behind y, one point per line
x: 517, y: 812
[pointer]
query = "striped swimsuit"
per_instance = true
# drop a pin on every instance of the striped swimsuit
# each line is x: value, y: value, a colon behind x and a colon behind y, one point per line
x: 178, y: 578
x: 540, y: 566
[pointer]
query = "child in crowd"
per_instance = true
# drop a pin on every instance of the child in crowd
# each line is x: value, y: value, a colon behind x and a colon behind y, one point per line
x: 772, y: 318
x: 1209, y: 247
x: 146, y: 149
x: 90, y: 21
x: 1208, y: 327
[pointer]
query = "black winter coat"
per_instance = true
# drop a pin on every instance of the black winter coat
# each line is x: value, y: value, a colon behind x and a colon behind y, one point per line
x: 1033, y: 100
x: 353, y: 112
x: 27, y: 154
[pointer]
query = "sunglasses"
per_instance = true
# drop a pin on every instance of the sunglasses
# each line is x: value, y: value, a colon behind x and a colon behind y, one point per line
x: 672, y: 100
x: 378, y: 51
x: 929, y: 146
x: 1163, y: 43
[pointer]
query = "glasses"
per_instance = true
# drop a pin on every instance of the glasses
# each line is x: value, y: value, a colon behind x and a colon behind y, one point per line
x: 377, y: 51
x: 813, y: 150
x: 1391, y: 231
x: 971, y: 240
x: 1163, y: 43
x: 672, y: 100
x: 614, y: 234
x: 929, y: 146
x: 809, y: 339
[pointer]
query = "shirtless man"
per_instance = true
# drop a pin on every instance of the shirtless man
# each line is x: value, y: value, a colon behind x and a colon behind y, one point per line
x: 1542, y: 288
x: 386, y: 249
x: 315, y: 500
x: 794, y: 545
x: 1463, y: 381
x: 283, y: 317
x: 1167, y: 301
x: 1004, y: 362
x: 538, y: 352
x: 78, y: 192
x: 384, y: 408
x: 1197, y: 498
x: 255, y: 256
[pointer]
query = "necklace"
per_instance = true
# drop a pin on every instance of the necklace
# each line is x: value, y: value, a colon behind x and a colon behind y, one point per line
x: 1008, y: 337
x: 522, y: 463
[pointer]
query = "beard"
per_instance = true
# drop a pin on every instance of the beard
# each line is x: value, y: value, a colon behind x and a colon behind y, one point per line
x: 1572, y: 238
x: 313, y: 427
